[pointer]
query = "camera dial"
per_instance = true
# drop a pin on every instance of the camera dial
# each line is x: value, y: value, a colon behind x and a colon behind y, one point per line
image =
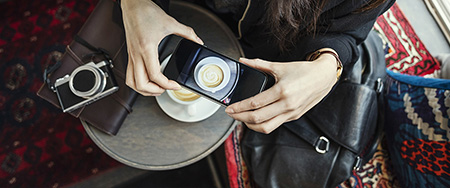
x: 87, y: 80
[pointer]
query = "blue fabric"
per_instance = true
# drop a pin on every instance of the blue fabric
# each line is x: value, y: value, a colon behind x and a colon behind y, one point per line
x: 417, y: 129
x: 420, y: 81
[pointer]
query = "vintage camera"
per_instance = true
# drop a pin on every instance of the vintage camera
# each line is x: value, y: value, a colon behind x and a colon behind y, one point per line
x: 86, y: 84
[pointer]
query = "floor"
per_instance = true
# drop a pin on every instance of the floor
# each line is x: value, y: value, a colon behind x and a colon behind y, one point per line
x: 425, y: 26
x: 195, y: 175
x: 208, y: 172
x: 205, y: 173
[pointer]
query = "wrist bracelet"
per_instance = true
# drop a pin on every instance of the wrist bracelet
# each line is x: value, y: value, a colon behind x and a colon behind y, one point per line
x: 318, y: 53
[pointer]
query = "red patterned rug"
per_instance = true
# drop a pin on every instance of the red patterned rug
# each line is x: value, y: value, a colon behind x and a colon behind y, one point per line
x: 405, y: 53
x: 39, y: 145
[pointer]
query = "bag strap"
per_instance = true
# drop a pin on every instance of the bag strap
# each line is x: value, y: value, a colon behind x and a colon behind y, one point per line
x: 308, y: 133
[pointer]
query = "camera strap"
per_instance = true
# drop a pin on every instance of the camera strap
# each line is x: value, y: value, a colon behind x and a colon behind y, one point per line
x: 96, y: 50
x: 48, y: 71
x: 52, y: 68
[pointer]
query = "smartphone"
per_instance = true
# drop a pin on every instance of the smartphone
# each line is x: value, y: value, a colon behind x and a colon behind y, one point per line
x: 213, y: 75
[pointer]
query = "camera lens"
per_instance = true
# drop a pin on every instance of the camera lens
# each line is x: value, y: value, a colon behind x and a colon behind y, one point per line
x: 87, y: 80
x: 83, y: 81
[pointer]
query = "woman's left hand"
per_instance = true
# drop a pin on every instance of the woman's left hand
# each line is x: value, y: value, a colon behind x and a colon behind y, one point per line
x: 299, y: 86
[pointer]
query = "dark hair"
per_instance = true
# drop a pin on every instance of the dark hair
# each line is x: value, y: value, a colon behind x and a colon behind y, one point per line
x: 285, y: 19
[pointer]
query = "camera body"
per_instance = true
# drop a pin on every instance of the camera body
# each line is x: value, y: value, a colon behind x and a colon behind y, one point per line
x: 86, y: 84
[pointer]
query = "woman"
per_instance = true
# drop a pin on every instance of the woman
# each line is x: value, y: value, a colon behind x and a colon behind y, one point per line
x: 285, y: 33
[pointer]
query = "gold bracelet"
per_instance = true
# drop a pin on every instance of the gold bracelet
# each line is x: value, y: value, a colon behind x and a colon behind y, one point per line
x: 318, y: 53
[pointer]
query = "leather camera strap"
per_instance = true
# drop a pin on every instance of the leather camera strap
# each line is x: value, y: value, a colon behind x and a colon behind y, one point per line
x: 48, y: 71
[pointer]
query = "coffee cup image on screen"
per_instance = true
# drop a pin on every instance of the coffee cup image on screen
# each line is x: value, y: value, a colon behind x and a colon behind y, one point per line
x: 213, y: 76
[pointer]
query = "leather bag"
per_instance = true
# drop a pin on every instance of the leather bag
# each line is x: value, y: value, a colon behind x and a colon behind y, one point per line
x: 335, y: 137
x: 102, y: 36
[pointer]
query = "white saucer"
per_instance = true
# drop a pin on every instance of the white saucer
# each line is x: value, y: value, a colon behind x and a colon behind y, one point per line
x: 205, y: 108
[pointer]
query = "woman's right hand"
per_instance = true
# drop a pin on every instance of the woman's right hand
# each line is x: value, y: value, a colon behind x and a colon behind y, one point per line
x: 146, y: 24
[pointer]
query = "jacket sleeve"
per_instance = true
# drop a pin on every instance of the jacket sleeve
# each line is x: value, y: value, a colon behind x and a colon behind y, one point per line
x: 164, y: 4
x: 343, y: 31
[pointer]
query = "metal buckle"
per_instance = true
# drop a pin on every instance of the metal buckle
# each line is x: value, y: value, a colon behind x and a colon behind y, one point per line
x: 358, y: 163
x: 379, y: 86
x: 327, y: 145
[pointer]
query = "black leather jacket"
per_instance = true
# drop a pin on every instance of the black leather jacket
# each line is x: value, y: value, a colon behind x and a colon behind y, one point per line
x: 339, y: 28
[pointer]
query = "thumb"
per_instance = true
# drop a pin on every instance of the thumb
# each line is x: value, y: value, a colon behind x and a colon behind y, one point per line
x: 188, y: 33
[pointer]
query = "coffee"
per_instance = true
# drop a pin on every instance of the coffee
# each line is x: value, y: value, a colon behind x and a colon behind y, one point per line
x: 184, y: 95
x: 211, y: 75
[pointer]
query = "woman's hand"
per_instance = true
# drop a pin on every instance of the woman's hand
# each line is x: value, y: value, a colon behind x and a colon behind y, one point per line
x: 299, y: 87
x: 146, y: 24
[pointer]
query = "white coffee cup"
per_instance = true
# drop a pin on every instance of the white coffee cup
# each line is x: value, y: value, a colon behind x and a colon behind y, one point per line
x: 185, y: 97
x: 212, y: 74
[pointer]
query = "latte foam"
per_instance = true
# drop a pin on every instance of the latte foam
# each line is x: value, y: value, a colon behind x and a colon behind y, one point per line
x: 185, y: 95
x: 211, y: 75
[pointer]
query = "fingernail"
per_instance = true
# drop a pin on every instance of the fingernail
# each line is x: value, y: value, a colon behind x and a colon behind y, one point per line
x: 176, y: 87
x: 200, y: 40
x: 244, y: 60
x: 229, y: 110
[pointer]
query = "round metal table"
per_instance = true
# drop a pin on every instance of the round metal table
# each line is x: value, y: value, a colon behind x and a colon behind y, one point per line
x: 151, y: 140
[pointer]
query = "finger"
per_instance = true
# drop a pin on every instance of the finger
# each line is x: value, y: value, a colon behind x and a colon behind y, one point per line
x: 142, y: 82
x: 259, y: 64
x: 266, y: 113
x: 260, y: 100
x: 188, y: 33
x: 129, y: 77
x: 257, y: 116
x: 270, y: 125
x: 153, y: 69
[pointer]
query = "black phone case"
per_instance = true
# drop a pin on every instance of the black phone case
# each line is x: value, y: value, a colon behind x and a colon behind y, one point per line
x: 190, y: 54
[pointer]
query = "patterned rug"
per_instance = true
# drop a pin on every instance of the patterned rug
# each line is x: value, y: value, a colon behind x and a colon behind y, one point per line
x: 405, y: 53
x: 39, y: 145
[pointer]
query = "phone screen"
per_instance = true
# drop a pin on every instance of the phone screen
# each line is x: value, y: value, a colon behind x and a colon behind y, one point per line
x: 213, y: 75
